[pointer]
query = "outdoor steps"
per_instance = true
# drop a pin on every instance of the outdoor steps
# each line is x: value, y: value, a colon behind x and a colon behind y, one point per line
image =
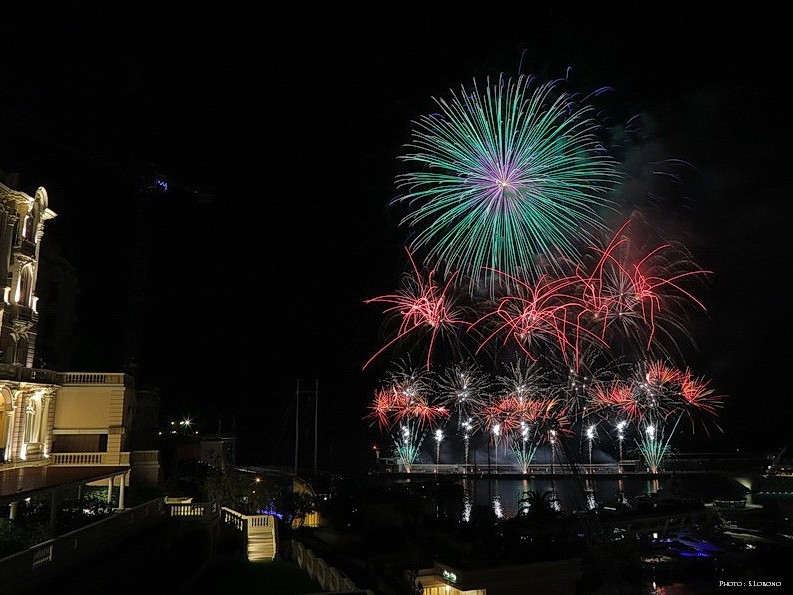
x: 261, y: 544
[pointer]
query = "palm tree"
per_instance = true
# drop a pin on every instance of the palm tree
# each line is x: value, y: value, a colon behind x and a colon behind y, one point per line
x: 537, y: 505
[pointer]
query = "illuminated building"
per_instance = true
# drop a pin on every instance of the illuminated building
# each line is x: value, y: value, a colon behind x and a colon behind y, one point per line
x: 58, y: 429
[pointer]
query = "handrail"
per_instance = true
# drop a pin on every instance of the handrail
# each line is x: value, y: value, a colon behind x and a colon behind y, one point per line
x: 89, y: 458
x: 23, y: 569
x: 94, y: 378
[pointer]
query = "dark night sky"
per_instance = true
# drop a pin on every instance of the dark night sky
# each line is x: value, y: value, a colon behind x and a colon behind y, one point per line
x: 293, y: 116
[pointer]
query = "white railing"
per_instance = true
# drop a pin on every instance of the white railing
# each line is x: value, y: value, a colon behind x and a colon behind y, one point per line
x: 260, y: 520
x: 246, y: 521
x: 260, y: 532
x: 190, y: 509
x: 233, y: 519
x: 23, y: 569
x: 328, y: 577
x: 89, y: 458
x: 42, y: 555
x: 91, y: 378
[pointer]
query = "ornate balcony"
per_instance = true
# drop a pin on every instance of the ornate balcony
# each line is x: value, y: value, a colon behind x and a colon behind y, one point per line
x: 82, y: 459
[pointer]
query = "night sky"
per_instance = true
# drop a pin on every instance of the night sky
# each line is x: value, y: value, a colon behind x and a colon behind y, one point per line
x: 279, y: 130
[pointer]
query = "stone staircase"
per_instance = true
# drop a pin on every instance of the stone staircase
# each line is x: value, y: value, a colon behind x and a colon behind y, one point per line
x: 261, y: 543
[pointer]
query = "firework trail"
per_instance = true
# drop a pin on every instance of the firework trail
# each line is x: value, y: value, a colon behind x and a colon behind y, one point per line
x: 509, y: 193
x: 648, y: 394
x: 535, y: 318
x: 404, y: 406
x: 421, y: 305
x: 510, y: 177
x: 574, y: 383
x: 522, y: 392
x: 463, y: 389
x: 653, y: 443
x: 655, y: 398
x: 524, y: 380
x: 637, y: 290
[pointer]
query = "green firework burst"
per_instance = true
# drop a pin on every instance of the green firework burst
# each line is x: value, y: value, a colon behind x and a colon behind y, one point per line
x: 512, y: 177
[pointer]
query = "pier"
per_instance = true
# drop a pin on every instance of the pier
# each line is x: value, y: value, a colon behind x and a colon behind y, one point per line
x: 743, y: 466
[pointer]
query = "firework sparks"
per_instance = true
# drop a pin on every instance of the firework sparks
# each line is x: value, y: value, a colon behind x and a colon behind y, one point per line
x: 463, y: 388
x: 655, y: 397
x: 509, y: 178
x: 524, y: 380
x: 404, y: 407
x: 635, y: 290
x: 535, y: 317
x: 524, y: 446
x: 617, y: 396
x: 552, y: 419
x: 382, y: 407
x: 421, y: 304
x: 654, y: 444
x: 697, y: 394
x: 577, y: 383
x: 508, y: 194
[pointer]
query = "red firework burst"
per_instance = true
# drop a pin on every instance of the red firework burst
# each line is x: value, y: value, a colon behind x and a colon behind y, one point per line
x: 406, y: 397
x: 659, y: 373
x: 421, y: 304
x: 616, y: 396
x: 382, y: 407
x: 697, y: 393
x: 637, y: 289
x: 538, y: 314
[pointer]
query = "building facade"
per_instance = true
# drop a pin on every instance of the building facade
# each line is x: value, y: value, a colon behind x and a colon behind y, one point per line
x: 27, y: 394
x: 54, y: 419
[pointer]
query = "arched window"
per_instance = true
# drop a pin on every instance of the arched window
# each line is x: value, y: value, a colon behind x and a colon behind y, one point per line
x: 25, y: 286
x: 29, y: 226
x: 5, y: 424
x: 20, y: 351
x: 26, y: 221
